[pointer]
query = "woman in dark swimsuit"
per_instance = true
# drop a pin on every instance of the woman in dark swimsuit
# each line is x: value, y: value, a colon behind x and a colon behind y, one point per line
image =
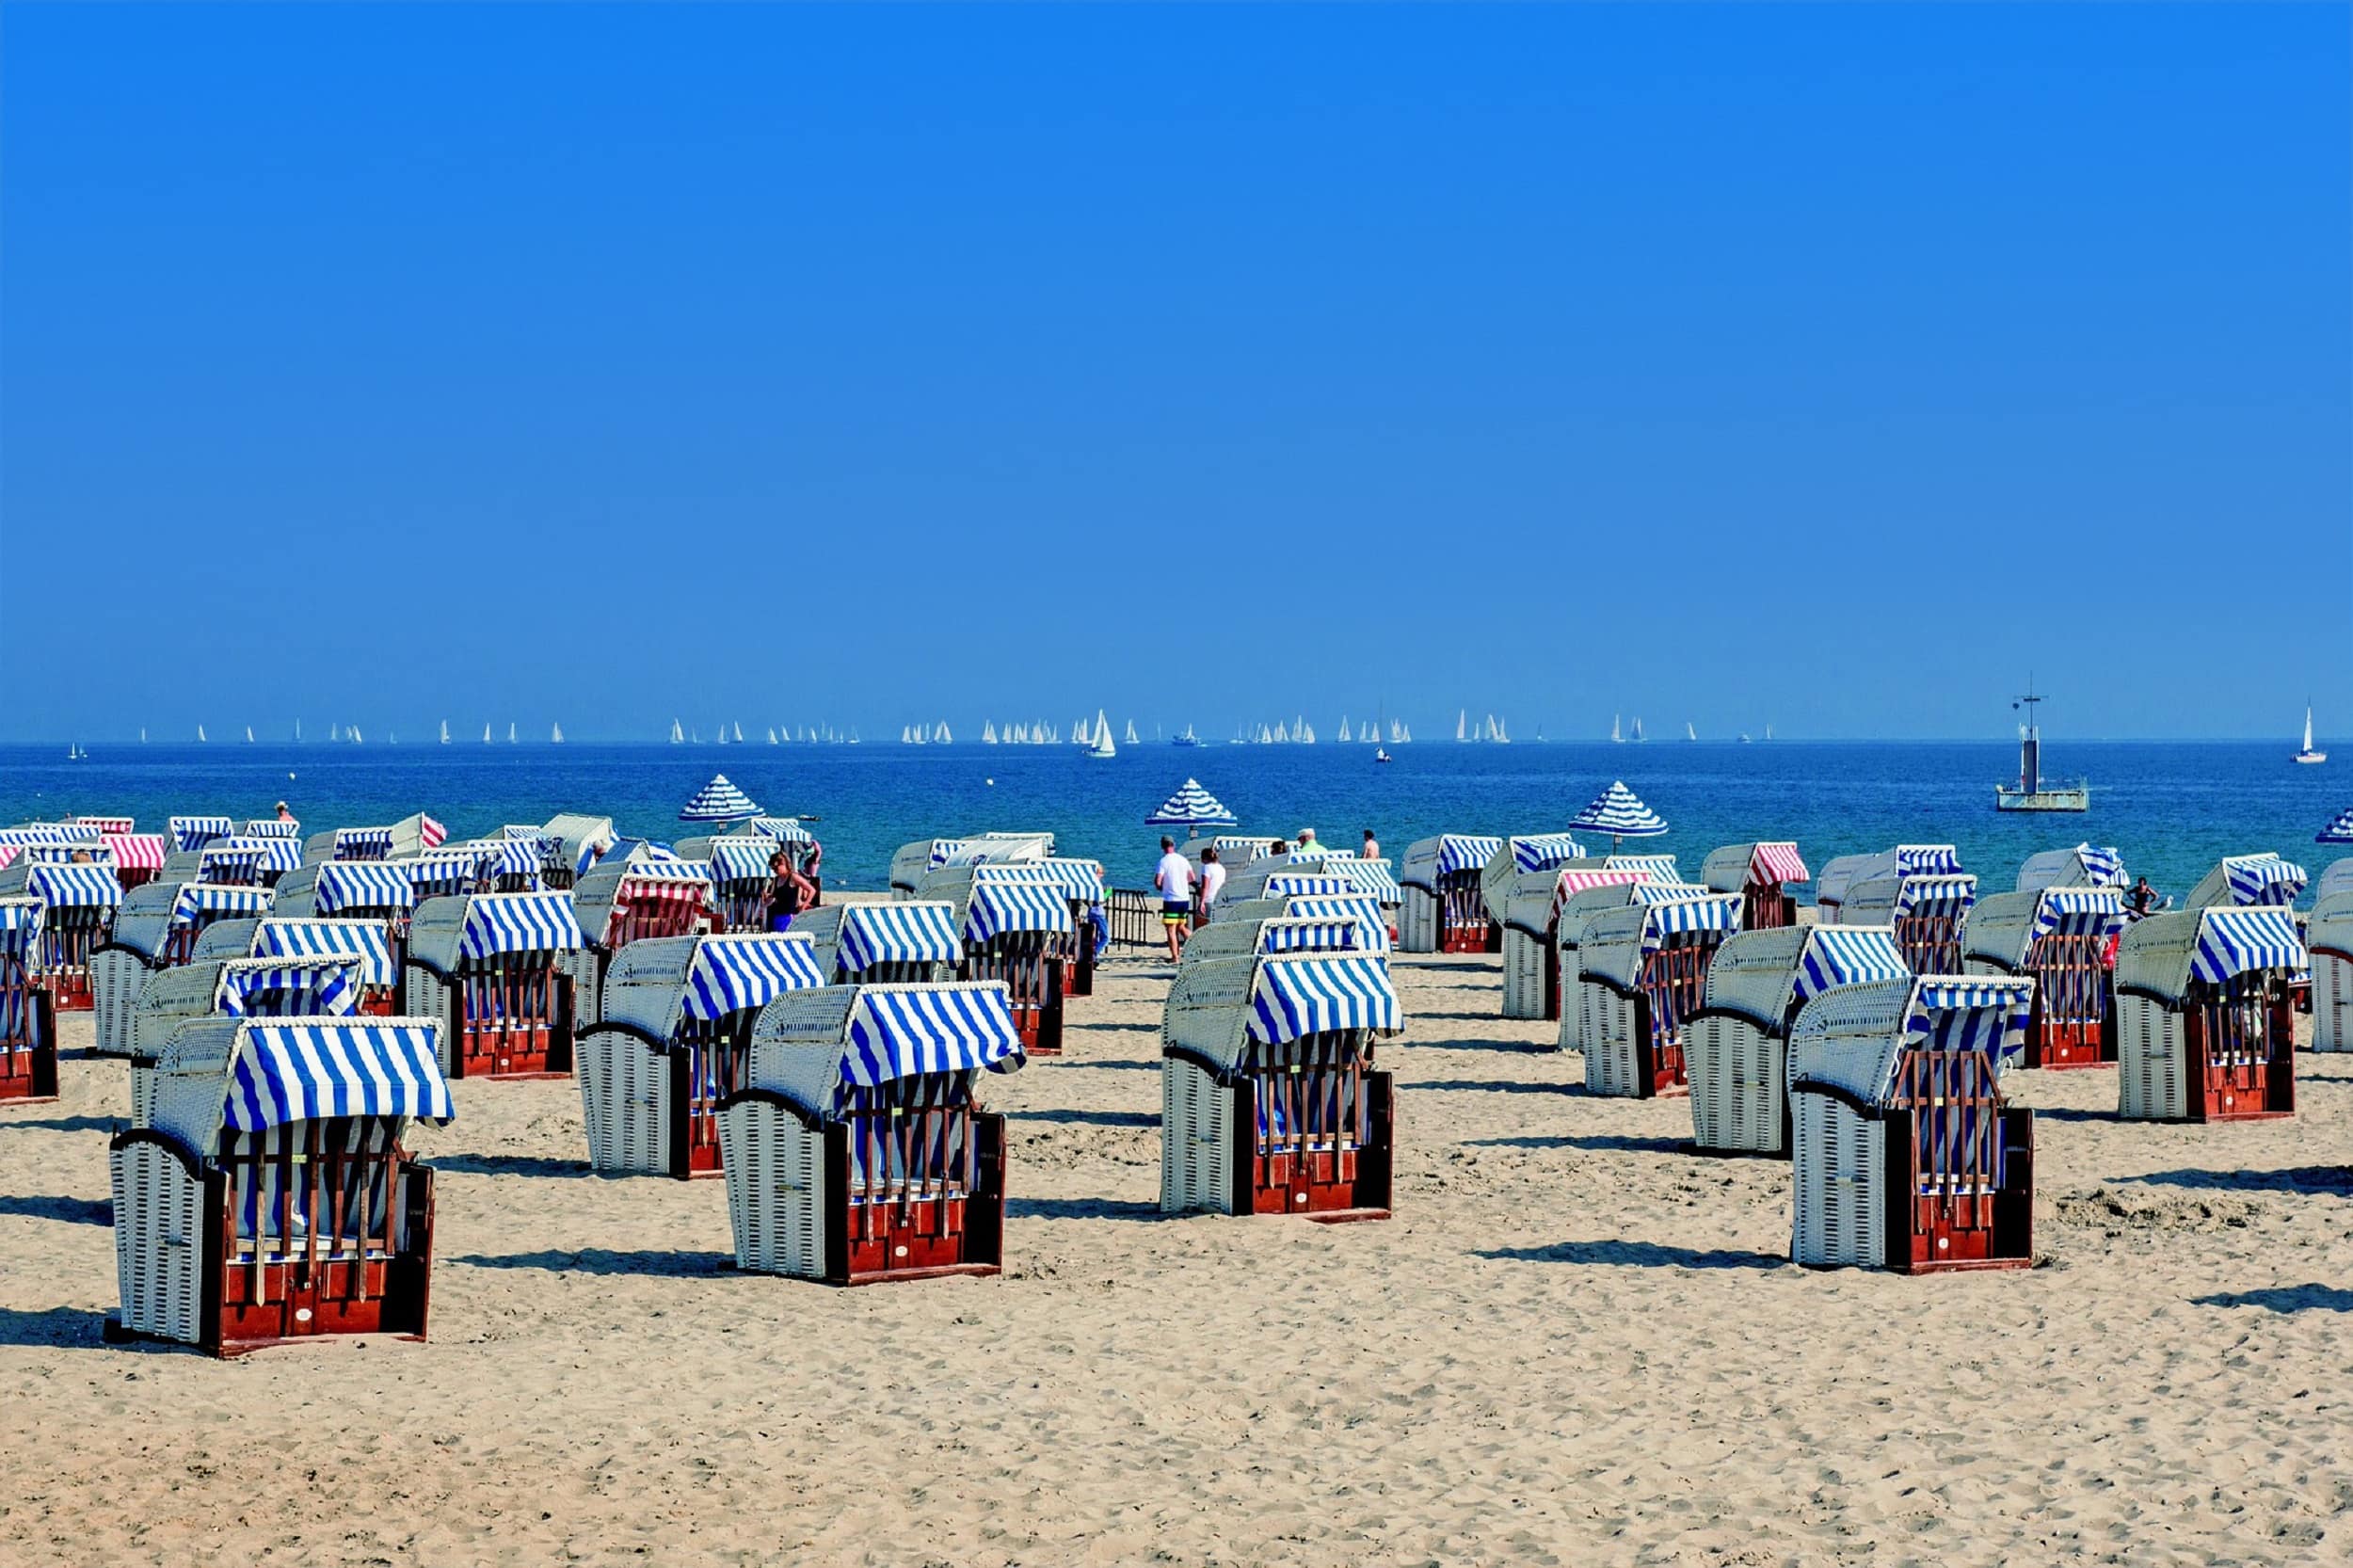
x: 788, y: 893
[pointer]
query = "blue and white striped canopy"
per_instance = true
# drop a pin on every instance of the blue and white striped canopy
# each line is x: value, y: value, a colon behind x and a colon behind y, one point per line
x: 1540, y: 852
x: 354, y: 843
x: 718, y: 801
x: 1988, y: 1014
x: 272, y: 827
x: 91, y: 886
x: 519, y: 857
x: 901, y: 1032
x: 1370, y: 877
x: 518, y: 922
x: 743, y: 860
x: 2338, y: 831
x: 1293, y: 997
x: 302, y: 1070
x: 365, y: 941
x: 380, y: 885
x: 872, y: 933
x: 272, y: 854
x: 784, y: 830
x: 1953, y: 893
x: 20, y: 914
x: 1619, y: 812
x: 2234, y: 941
x: 2077, y: 912
x: 1307, y: 883
x: 50, y: 833
x: 2262, y: 879
x: 305, y: 988
x: 999, y: 907
x: 224, y: 899
x: 1661, y: 868
x: 1662, y: 892
x: 1076, y: 879
x: 190, y: 833
x: 227, y: 859
x: 439, y: 871
x: 1465, y: 852
x: 2103, y: 866
x: 1290, y: 935
x: 1362, y: 908
x: 1704, y: 911
x: 63, y: 854
x: 1846, y: 955
x: 729, y: 974
x: 1191, y: 807
x: 1926, y: 859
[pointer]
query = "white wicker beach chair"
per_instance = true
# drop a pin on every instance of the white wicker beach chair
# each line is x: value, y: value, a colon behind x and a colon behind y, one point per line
x: 2248, y: 881
x: 28, y: 1020
x: 490, y: 967
x: 2204, y: 1023
x: 1015, y: 933
x: 1927, y: 908
x: 362, y: 939
x: 626, y: 899
x: 1521, y: 855
x: 1596, y: 892
x: 2329, y: 938
x: 1531, y: 973
x: 1270, y: 1103
x: 1762, y: 873
x: 1443, y: 911
x: 271, y: 1199
x: 910, y: 942
x: 1847, y: 871
x: 675, y: 1040
x: 860, y: 1152
x: 1643, y: 971
x: 2084, y: 866
x: 2058, y: 937
x: 78, y: 906
x: 238, y: 987
x: 1905, y: 1155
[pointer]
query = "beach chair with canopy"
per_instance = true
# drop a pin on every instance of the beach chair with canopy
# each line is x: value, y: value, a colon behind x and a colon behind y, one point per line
x: 1375, y: 879
x: 193, y: 833
x: 1275, y: 931
x: 1736, y: 1046
x: 860, y: 1153
x: 490, y: 967
x: 272, y: 1199
x: 2248, y: 882
x: 2204, y: 1022
x: 139, y: 857
x: 1282, y: 876
x: 1270, y: 1103
x: 381, y: 892
x: 675, y: 1040
x: 78, y: 904
x: 1531, y: 924
x: 1643, y: 971
x: 29, y: 1018
x: 1592, y: 899
x: 106, y: 824
x: 2328, y: 939
x: 573, y: 843
x: 2084, y: 866
x: 375, y: 978
x: 2059, y: 938
x: 912, y: 861
x: 1762, y: 873
x: 905, y: 942
x: 739, y: 878
x: 1849, y: 870
x: 627, y: 898
x: 230, y: 988
x: 1080, y: 883
x: 1927, y: 908
x: 1014, y: 933
x: 1442, y: 911
x: 1520, y: 856
x: 1905, y: 1154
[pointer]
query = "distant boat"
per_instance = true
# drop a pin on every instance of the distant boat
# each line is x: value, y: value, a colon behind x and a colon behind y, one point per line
x: 1639, y: 736
x: 1131, y: 733
x: 200, y: 734
x: 1615, y: 738
x: 510, y: 731
x: 989, y: 732
x: 1102, y: 747
x: 445, y: 731
x: 1462, y: 718
x: 2308, y: 755
x: 1187, y: 739
x: 1381, y: 754
x: 677, y: 733
x: 2030, y: 794
x: 248, y: 734
x: 771, y: 735
x: 1690, y: 733
x: 486, y: 734
x: 334, y: 732
x: 556, y: 735
x: 941, y: 737
x: 1768, y: 731
x: 357, y: 738
x: 74, y: 752
x: 1344, y: 735
x: 143, y: 734
x: 1744, y: 737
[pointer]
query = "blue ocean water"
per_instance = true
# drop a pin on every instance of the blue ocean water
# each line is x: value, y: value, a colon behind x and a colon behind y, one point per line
x: 2172, y: 807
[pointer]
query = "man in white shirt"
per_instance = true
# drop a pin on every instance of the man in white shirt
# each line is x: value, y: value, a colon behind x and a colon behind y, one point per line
x: 1174, y: 881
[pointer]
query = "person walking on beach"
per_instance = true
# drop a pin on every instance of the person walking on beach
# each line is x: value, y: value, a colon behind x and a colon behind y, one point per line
x: 788, y: 892
x: 1373, y: 847
x: 812, y: 865
x: 1212, y: 879
x: 1174, y: 881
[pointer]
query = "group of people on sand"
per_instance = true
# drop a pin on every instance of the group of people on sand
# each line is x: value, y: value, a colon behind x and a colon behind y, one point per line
x: 1185, y: 891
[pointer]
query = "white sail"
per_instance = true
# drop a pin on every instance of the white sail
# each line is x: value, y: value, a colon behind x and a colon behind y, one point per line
x: 943, y: 737
x: 445, y: 731
x: 556, y: 735
x: 1103, y: 747
x: 1690, y: 733
x: 200, y: 734
x: 1614, y: 737
x: 334, y: 732
x: 1131, y: 733
x: 2308, y: 728
x: 143, y: 735
x: 357, y: 739
x: 2308, y: 739
x: 510, y: 731
x: 486, y: 733
x: 738, y: 731
x: 1462, y: 717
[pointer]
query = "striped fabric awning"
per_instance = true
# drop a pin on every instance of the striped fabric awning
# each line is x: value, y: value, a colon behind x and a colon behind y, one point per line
x: 2233, y: 941
x: 1081, y: 880
x: 783, y: 830
x: 1370, y: 877
x: 273, y: 827
x: 137, y: 852
x: 1704, y: 911
x: 1293, y: 997
x: 74, y: 887
x: 430, y: 834
x: 107, y: 826
x: 99, y: 854
x: 2338, y: 831
x: 273, y: 854
x: 375, y: 884
x: 227, y: 900
x: 50, y: 833
x: 1536, y: 851
x: 20, y: 918
x: 365, y: 941
x: 190, y: 833
x: 352, y: 843
x: 2103, y: 866
x: 1619, y: 812
x: 1988, y: 1014
x: 743, y: 860
x: 729, y: 974
x: 518, y: 922
x: 1926, y: 859
x: 224, y: 860
x: 1775, y: 863
x: 454, y: 867
x: 1953, y: 892
x: 308, y: 987
x: 718, y: 801
x: 1846, y: 955
x: 302, y: 1070
x: 1304, y: 936
x: 1362, y: 908
x: 901, y: 1032
x: 2077, y: 912
x: 1666, y: 892
x: 1465, y: 852
x: 1660, y: 867
x: 1577, y: 878
x: 671, y: 871
x: 2262, y: 879
x: 999, y: 907
x: 1306, y: 884
x: 519, y: 857
x: 872, y: 933
x: 1191, y: 807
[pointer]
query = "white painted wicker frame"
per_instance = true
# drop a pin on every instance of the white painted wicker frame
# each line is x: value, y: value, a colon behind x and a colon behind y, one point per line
x: 1197, y: 1141
x: 159, y: 1242
x: 1839, y: 1181
x: 777, y: 1196
x: 2329, y: 937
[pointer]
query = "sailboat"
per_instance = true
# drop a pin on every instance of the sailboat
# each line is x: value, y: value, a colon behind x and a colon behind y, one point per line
x: 1102, y: 747
x: 1639, y: 736
x: 143, y: 734
x: 677, y: 733
x: 74, y: 752
x: 248, y: 736
x: 1131, y: 733
x: 357, y: 739
x: 771, y: 735
x: 1345, y: 736
x: 1187, y: 739
x: 1690, y: 733
x: 556, y: 735
x: 1615, y: 738
x: 1462, y: 718
x: 510, y: 731
x: 334, y: 732
x: 1768, y: 730
x: 989, y: 732
x: 2308, y: 755
x: 941, y: 737
x: 200, y: 734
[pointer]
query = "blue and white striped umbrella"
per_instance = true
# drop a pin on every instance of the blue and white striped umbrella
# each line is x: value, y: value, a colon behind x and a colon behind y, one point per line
x: 1191, y: 807
x: 1619, y: 812
x: 718, y: 801
x: 2338, y: 831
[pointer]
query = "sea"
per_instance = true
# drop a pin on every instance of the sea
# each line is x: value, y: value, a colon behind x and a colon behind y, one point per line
x: 2173, y: 809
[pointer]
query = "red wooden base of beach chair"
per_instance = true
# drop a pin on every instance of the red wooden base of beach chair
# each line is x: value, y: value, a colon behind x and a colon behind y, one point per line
x: 68, y: 990
x: 513, y: 1043
x: 29, y: 1058
x: 378, y: 1001
x: 1765, y: 909
x: 1322, y: 1180
x: 925, y: 1236
x: 2055, y: 1046
x: 1472, y: 936
x: 2300, y: 996
x: 1938, y: 1234
x: 1660, y: 1071
x: 2234, y: 1082
x: 135, y: 876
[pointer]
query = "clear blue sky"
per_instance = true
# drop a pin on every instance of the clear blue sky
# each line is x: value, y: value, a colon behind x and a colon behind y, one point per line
x: 1830, y: 364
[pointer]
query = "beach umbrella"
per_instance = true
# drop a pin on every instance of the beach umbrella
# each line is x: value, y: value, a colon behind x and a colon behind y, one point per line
x: 1620, y: 812
x: 718, y: 801
x: 2338, y: 831
x: 1191, y: 807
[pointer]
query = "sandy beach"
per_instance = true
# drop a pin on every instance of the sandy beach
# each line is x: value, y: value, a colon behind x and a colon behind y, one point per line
x: 1575, y: 1343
